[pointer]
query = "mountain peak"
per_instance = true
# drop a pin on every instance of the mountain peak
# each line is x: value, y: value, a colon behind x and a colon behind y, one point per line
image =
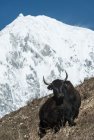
x: 35, y: 46
x: 21, y: 15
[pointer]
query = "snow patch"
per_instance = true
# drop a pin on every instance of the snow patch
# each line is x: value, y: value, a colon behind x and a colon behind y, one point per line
x: 33, y: 47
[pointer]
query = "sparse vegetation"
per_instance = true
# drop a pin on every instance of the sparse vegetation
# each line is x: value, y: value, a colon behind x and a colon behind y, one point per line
x: 23, y: 124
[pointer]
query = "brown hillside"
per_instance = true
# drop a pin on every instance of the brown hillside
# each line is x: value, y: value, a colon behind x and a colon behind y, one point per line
x: 23, y: 124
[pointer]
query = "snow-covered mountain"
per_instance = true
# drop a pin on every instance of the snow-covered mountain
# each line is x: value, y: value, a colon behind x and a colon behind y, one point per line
x: 31, y: 47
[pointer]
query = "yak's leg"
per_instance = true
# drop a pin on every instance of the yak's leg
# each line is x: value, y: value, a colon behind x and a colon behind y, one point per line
x: 56, y: 128
x: 42, y: 129
x: 64, y: 122
x: 76, y: 114
x: 71, y: 122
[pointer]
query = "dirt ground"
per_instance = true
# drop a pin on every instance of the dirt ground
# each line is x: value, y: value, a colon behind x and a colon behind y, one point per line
x: 23, y: 124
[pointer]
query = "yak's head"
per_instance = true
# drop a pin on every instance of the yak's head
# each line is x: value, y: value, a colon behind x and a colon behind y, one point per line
x: 58, y: 86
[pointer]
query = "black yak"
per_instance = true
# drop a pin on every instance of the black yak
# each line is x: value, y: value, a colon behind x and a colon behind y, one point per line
x: 65, y: 89
x: 62, y: 107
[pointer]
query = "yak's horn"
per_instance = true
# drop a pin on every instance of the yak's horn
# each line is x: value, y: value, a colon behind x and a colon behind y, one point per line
x: 45, y: 81
x: 66, y: 76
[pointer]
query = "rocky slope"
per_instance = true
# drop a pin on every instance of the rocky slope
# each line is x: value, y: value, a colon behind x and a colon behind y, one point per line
x: 23, y: 124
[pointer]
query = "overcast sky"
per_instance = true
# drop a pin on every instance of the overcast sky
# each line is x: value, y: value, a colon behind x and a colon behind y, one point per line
x: 73, y: 12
